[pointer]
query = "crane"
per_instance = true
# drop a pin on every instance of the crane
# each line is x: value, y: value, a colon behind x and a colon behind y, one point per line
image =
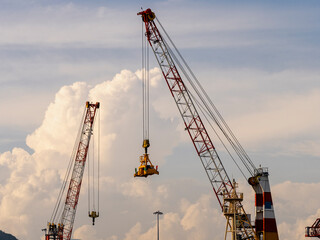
x: 63, y: 230
x: 314, y: 230
x: 238, y: 222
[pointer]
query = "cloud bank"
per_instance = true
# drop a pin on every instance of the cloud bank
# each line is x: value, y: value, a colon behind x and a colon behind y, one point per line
x: 29, y: 183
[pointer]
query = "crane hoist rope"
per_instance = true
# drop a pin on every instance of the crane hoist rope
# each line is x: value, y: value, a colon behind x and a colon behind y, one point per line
x: 145, y: 88
x: 94, y: 175
x: 146, y: 167
x: 206, y: 103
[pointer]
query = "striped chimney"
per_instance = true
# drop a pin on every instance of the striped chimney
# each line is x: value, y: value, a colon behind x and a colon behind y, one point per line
x: 266, y: 227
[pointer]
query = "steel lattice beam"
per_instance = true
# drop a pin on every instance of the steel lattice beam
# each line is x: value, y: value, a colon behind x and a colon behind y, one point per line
x: 70, y: 207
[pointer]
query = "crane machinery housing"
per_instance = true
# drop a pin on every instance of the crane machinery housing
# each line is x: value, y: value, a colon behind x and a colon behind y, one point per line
x: 63, y: 229
x: 190, y: 106
x: 314, y: 230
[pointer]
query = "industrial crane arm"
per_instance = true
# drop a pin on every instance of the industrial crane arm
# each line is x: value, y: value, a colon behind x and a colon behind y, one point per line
x: 63, y: 230
x: 193, y: 124
x: 217, y: 175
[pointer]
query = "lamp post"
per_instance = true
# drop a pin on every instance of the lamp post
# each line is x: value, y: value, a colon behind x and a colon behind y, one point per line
x: 158, y: 213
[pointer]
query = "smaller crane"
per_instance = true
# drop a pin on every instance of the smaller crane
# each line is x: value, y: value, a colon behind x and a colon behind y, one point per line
x: 314, y: 230
x: 63, y: 230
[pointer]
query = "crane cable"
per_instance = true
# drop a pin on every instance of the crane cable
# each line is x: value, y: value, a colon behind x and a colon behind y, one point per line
x: 57, y: 211
x: 145, y: 85
x: 205, y: 113
x: 218, y: 119
x: 203, y: 110
x: 94, y: 182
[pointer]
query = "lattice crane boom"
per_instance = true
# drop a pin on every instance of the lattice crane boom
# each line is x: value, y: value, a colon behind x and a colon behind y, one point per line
x: 63, y: 230
x: 193, y: 124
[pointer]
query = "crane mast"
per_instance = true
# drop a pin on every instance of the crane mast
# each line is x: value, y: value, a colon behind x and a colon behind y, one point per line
x: 217, y: 175
x: 63, y: 230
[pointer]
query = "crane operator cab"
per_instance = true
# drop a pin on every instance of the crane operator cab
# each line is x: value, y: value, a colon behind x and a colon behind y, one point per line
x: 146, y: 168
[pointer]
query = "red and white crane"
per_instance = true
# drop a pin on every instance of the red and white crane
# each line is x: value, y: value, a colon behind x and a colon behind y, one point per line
x: 238, y: 222
x: 314, y: 230
x: 63, y: 229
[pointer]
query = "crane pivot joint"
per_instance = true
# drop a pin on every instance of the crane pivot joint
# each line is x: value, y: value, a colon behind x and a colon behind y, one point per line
x: 147, y: 15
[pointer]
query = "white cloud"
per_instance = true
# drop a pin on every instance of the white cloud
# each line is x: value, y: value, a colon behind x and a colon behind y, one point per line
x: 33, y: 180
x: 61, y: 121
x: 291, y: 117
x: 87, y: 232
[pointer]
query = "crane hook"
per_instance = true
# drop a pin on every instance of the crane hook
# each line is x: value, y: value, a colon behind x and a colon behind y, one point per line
x: 93, y: 215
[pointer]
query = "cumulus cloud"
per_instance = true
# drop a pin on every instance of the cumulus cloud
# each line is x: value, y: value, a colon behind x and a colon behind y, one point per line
x: 196, y: 221
x: 31, y: 182
x: 283, y: 117
x: 61, y: 120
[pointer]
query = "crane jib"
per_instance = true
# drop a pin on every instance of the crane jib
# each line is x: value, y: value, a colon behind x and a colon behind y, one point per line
x: 193, y: 123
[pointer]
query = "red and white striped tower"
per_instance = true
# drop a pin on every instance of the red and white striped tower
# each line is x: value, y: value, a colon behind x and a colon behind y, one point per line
x: 258, y: 209
x: 266, y: 227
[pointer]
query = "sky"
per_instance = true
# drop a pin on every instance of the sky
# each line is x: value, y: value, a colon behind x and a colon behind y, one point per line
x: 258, y: 61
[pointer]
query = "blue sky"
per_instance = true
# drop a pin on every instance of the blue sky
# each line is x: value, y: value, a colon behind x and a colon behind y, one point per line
x: 259, y: 61
x: 267, y: 36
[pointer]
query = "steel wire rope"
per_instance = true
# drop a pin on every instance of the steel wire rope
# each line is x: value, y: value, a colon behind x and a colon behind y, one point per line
x: 214, y: 107
x: 99, y: 161
x: 89, y: 198
x: 148, y: 90
x: 93, y: 175
x: 213, y: 117
x: 143, y: 79
x: 93, y: 148
x: 145, y: 86
x: 202, y: 110
x: 66, y: 177
x: 236, y: 146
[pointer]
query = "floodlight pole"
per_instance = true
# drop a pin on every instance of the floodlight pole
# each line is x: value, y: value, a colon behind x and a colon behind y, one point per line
x: 158, y: 213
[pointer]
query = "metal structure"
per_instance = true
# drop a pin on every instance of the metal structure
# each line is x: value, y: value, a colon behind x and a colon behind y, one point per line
x: 217, y: 175
x: 314, y: 230
x: 265, y: 221
x: 146, y: 167
x: 158, y: 230
x: 63, y: 230
x: 234, y: 213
